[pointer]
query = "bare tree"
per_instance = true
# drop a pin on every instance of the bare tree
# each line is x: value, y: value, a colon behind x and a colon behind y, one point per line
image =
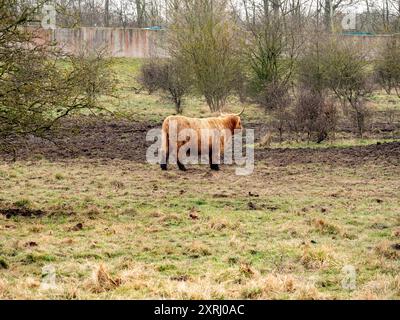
x: 346, y: 73
x: 36, y: 91
x: 387, y: 66
x: 203, y: 38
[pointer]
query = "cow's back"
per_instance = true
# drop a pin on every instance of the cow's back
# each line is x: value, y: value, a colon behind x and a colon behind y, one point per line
x: 183, y: 122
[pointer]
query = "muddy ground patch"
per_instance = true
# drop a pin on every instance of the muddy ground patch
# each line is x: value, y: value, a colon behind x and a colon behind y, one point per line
x: 20, y: 212
x: 102, y: 138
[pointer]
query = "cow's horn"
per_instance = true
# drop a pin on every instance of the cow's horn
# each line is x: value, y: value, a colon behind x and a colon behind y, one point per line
x: 240, y: 113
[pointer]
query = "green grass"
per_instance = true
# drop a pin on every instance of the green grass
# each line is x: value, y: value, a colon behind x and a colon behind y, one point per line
x: 336, y: 143
x: 294, y: 245
x: 382, y: 101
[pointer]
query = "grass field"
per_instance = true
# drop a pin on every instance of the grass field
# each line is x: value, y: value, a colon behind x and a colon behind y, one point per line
x: 284, y: 233
x: 121, y: 229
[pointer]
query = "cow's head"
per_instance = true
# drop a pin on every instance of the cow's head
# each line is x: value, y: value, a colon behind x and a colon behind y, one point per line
x: 233, y: 120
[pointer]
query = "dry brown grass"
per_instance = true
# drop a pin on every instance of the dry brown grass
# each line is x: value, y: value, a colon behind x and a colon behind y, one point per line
x: 279, y: 286
x: 219, y: 224
x: 102, y: 281
x: 150, y: 247
x: 197, y: 248
x: 2, y: 288
x: 325, y: 227
x: 385, y: 249
x: 318, y: 258
x: 382, y: 287
x: 266, y: 140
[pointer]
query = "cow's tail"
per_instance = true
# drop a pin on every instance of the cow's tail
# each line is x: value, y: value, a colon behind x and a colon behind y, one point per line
x: 164, y: 145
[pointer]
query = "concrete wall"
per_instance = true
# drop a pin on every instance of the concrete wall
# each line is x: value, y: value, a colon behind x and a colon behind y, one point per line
x: 370, y: 45
x: 140, y: 43
x: 119, y: 42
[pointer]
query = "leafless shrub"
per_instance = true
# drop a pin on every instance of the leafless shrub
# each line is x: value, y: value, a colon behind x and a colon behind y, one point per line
x: 169, y: 76
x: 341, y: 69
x: 314, y: 115
x: 347, y: 75
x: 240, y: 85
x: 276, y: 99
x: 387, y: 67
x: 149, y: 76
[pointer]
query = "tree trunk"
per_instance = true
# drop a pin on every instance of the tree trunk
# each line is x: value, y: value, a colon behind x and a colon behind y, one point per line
x: 140, y: 12
x: 266, y: 8
x: 328, y: 15
x: 178, y: 105
x: 106, y: 13
x: 276, y: 7
x: 80, y: 11
x: 360, y: 123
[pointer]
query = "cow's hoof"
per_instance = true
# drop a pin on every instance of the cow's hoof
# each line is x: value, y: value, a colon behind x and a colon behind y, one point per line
x: 214, y: 167
x: 163, y: 166
x: 181, y: 167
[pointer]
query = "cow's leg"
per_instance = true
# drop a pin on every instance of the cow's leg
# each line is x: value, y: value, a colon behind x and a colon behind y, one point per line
x: 164, y: 161
x: 181, y: 166
x: 164, y: 150
x: 213, y: 166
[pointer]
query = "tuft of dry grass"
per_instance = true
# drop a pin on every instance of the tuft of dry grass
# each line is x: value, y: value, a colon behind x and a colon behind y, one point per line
x: 266, y: 140
x: 246, y: 269
x: 170, y: 218
x: 117, y: 184
x: 198, y: 289
x: 385, y: 249
x: 222, y: 223
x: 3, y: 287
x: 309, y: 292
x: 92, y: 211
x: 279, y: 286
x: 382, y: 287
x: 325, y: 227
x: 317, y: 258
x: 197, y: 248
x: 280, y: 283
x: 102, y: 281
x: 396, y: 233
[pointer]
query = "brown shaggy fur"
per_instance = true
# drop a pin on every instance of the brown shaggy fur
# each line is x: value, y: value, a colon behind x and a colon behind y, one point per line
x: 231, y: 122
